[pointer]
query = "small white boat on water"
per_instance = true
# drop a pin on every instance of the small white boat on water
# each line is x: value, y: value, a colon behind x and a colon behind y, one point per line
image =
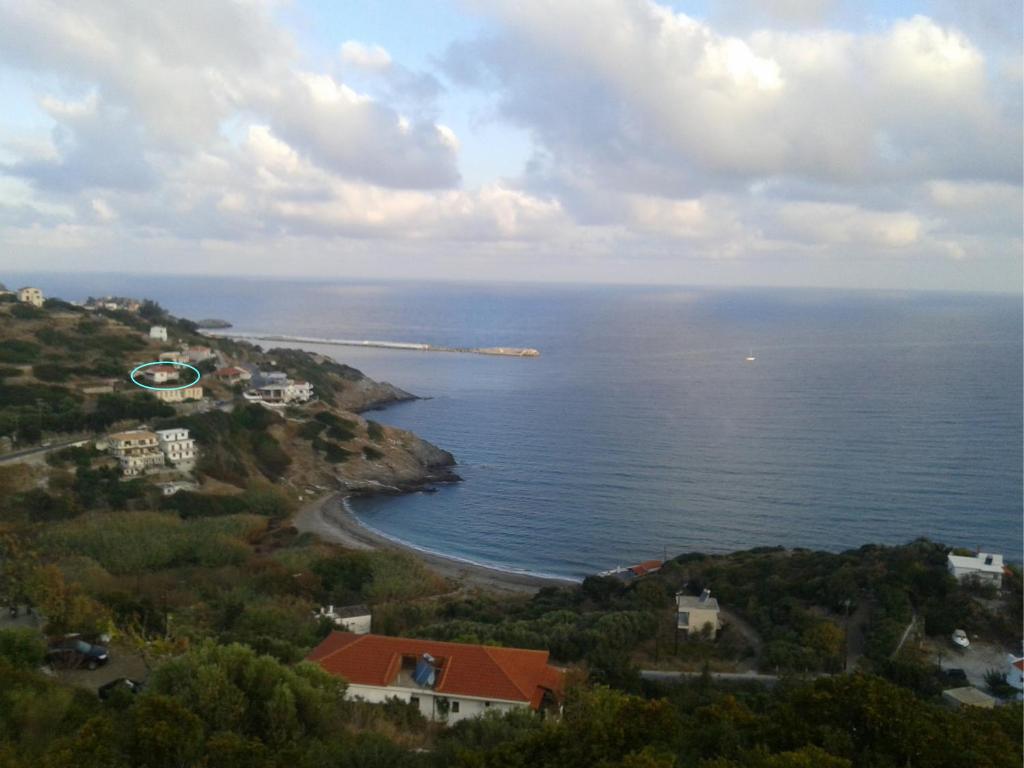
x: 750, y: 357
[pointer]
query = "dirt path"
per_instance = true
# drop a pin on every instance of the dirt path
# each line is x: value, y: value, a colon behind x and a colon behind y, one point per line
x: 751, y: 635
x: 328, y: 518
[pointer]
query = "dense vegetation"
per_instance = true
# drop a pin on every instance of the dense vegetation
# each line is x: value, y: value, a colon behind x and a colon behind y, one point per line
x: 228, y: 706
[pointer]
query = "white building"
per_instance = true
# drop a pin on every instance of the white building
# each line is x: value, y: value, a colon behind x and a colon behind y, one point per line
x: 298, y: 392
x: 198, y: 354
x: 179, y: 395
x: 161, y: 374
x: 137, y: 450
x: 444, y: 681
x: 177, y: 446
x: 984, y: 567
x: 356, y: 619
x: 31, y: 296
x: 1015, y: 672
x: 158, y: 332
x: 276, y: 387
x: 697, y: 614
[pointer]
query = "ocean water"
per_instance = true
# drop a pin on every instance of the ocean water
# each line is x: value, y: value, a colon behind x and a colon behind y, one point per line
x: 641, y: 430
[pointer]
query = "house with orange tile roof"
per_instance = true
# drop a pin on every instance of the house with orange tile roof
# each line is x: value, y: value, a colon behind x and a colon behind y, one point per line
x: 445, y: 681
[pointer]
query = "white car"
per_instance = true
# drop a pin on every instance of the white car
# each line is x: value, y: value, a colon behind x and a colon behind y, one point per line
x: 960, y: 638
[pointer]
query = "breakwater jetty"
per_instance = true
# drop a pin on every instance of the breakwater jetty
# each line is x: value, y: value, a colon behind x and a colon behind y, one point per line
x: 404, y: 345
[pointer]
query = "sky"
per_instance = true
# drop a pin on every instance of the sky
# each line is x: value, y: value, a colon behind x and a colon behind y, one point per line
x: 731, y: 142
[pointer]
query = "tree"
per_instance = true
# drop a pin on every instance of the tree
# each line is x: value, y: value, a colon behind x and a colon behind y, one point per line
x: 231, y: 688
x: 22, y: 648
x: 164, y: 733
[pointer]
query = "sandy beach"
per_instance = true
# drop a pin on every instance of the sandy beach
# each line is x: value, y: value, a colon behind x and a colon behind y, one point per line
x: 328, y: 518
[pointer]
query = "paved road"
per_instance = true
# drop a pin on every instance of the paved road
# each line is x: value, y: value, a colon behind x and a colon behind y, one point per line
x: 662, y: 676
x: 675, y: 677
x: 42, y: 450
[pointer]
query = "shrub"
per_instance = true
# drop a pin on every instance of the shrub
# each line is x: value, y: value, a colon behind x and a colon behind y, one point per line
x: 374, y: 431
x: 18, y: 351
x: 138, y: 542
x: 371, y: 454
x: 334, y: 453
x: 22, y: 648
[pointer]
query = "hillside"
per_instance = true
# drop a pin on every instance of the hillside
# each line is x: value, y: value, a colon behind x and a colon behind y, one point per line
x: 64, y: 372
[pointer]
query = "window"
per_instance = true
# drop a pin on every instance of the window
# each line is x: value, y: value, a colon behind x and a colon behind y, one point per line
x: 487, y: 703
x: 684, y: 618
x: 455, y: 707
x: 415, y: 701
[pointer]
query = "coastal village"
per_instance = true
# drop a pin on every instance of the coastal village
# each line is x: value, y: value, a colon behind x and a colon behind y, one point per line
x: 252, y: 431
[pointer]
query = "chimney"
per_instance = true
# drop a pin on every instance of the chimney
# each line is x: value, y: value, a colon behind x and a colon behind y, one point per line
x: 705, y: 595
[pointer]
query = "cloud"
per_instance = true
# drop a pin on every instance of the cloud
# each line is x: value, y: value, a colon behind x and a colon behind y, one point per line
x: 635, y: 86
x: 369, y: 57
x: 766, y: 134
x: 175, y: 74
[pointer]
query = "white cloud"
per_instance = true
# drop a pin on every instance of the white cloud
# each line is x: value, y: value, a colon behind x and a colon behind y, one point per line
x: 369, y: 57
x: 659, y: 139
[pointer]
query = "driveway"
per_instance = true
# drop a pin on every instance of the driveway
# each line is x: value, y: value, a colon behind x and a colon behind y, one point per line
x: 975, y: 661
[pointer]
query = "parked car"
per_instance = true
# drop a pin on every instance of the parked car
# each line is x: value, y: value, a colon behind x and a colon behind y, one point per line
x: 72, y: 653
x: 954, y: 676
x: 959, y: 638
x: 106, y: 690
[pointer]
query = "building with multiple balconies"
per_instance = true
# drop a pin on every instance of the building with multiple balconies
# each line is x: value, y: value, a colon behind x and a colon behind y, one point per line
x: 178, y: 448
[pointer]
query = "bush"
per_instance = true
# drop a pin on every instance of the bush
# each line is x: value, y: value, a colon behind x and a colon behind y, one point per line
x: 374, y: 431
x: 334, y: 453
x: 27, y: 312
x: 998, y: 685
x: 22, y: 648
x: 138, y: 542
x: 371, y: 454
x: 18, y: 351
x: 311, y: 429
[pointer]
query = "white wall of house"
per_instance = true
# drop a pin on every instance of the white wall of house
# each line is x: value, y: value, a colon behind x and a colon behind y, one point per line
x: 692, y: 620
x: 359, y: 625
x: 460, y: 707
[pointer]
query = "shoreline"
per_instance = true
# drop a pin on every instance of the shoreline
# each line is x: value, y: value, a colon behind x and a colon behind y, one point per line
x: 327, y: 518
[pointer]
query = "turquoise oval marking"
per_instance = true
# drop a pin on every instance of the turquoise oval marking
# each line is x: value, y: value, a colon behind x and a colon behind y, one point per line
x: 192, y: 368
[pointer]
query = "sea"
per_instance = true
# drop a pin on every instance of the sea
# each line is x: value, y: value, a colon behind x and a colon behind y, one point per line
x: 643, y: 431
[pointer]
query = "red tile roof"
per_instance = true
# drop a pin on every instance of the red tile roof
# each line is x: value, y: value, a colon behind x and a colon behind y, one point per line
x: 648, y: 566
x: 507, y: 674
x: 1019, y: 664
x: 229, y: 372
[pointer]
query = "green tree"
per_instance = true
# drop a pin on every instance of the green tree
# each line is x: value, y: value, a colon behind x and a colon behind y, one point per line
x: 231, y: 688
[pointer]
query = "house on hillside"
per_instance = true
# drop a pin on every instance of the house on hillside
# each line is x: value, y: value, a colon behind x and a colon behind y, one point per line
x: 173, y: 357
x: 198, y: 354
x: 983, y: 567
x: 137, y: 450
x: 276, y: 387
x: 444, y: 681
x: 626, y: 575
x: 695, y: 614
x: 158, y: 332
x: 160, y: 374
x: 178, y: 448
x: 232, y: 375
x: 356, y: 619
x: 172, y: 396
x: 31, y: 296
